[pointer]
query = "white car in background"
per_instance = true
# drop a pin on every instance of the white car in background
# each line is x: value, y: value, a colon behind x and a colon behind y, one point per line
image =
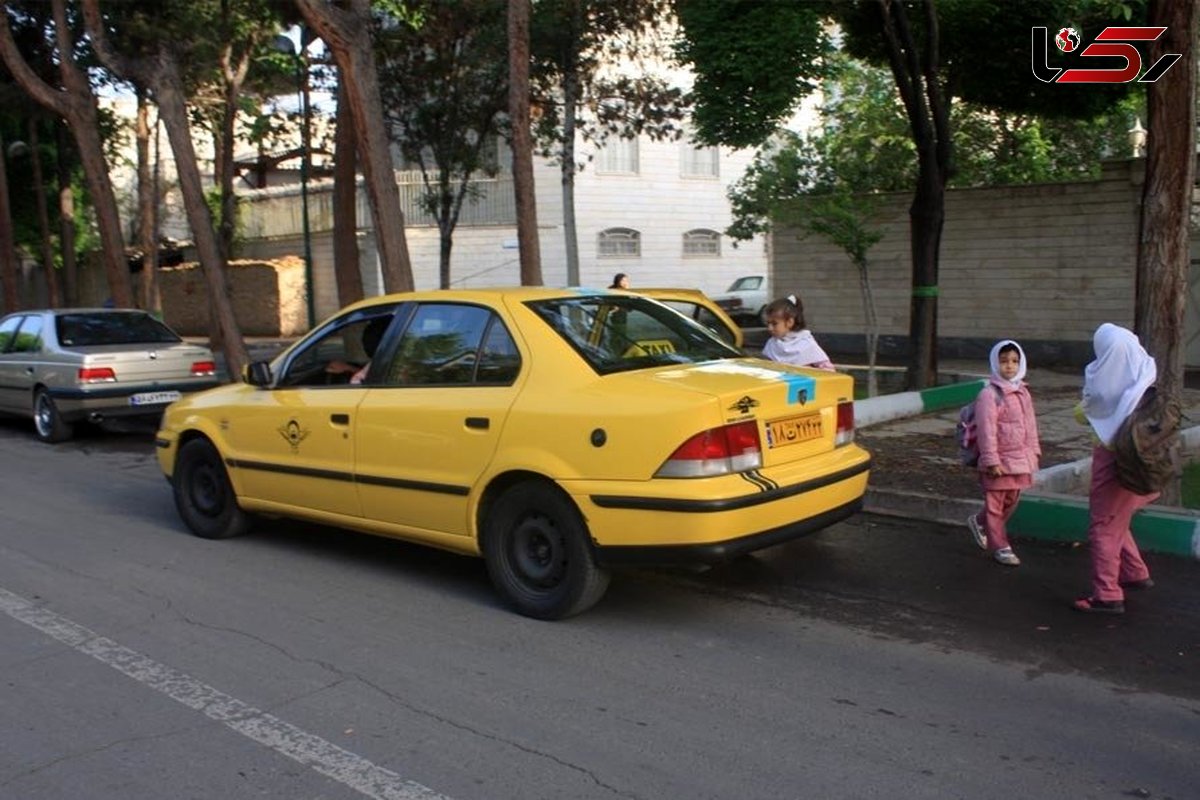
x: 745, y: 300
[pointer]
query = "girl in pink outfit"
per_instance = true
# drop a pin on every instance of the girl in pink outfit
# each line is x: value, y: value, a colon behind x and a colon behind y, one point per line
x: 1009, y: 449
x: 791, y: 342
x: 1113, y: 385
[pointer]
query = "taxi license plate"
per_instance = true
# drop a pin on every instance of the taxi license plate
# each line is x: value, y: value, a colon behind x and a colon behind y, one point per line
x: 794, y: 430
x: 154, y: 398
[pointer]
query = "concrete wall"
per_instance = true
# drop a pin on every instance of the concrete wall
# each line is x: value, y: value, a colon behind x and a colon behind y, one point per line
x: 1043, y: 264
x: 268, y: 299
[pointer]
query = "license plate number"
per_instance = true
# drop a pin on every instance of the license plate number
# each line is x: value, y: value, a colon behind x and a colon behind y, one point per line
x: 154, y: 398
x: 794, y: 430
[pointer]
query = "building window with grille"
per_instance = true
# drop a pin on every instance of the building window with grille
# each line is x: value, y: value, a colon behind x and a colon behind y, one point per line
x: 698, y: 162
x: 618, y: 157
x: 620, y: 243
x: 701, y: 242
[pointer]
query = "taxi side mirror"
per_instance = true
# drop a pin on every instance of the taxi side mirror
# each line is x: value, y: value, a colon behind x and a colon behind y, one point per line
x: 257, y: 373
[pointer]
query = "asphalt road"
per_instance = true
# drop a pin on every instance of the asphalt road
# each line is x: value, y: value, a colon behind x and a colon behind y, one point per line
x: 877, y: 659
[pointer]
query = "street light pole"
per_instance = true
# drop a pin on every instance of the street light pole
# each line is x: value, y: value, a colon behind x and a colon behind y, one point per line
x: 305, y: 168
x: 299, y: 51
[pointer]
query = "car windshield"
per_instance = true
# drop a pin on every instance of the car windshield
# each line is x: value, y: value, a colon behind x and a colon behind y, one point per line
x: 748, y: 282
x: 616, y: 333
x: 100, y: 328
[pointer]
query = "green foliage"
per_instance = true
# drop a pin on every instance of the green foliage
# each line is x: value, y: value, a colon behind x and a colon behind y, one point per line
x: 984, y: 50
x: 444, y: 85
x: 753, y: 60
x: 574, y: 44
x: 863, y: 145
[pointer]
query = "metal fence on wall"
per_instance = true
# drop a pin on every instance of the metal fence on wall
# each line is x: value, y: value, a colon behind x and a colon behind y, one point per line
x: 278, y: 211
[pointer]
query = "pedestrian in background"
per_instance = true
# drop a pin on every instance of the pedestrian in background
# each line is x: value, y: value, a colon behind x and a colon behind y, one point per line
x: 791, y: 341
x: 620, y: 281
x: 1113, y: 385
x: 1009, y: 449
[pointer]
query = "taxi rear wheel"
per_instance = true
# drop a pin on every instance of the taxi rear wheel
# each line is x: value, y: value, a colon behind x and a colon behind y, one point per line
x: 538, y: 555
x: 47, y: 422
x: 204, y: 496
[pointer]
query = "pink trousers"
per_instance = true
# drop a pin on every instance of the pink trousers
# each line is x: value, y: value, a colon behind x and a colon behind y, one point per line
x: 1115, y: 556
x: 998, y: 506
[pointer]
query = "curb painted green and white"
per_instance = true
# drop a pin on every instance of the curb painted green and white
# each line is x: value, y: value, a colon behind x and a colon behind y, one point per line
x: 1044, y: 512
x: 886, y: 407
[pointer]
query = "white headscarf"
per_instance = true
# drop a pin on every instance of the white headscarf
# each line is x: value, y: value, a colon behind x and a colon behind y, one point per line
x: 1114, y: 383
x: 994, y: 360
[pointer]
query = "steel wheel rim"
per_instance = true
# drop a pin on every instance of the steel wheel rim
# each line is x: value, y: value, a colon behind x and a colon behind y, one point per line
x: 538, y: 552
x: 205, y: 491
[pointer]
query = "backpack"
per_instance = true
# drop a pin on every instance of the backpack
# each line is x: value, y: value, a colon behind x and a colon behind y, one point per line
x: 1146, y: 444
x: 966, y: 432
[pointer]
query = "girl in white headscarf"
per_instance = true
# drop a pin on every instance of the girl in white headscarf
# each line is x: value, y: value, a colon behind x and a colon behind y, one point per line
x: 1112, y: 387
x: 1009, y: 449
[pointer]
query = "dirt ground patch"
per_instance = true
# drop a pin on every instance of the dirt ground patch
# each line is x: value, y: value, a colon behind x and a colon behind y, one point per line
x: 927, y: 460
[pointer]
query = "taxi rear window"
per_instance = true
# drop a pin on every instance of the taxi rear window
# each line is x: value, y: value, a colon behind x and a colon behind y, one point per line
x: 617, y: 333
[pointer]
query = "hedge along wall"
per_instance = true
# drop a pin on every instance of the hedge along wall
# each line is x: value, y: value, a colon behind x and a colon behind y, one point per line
x: 268, y: 297
x: 1044, y: 264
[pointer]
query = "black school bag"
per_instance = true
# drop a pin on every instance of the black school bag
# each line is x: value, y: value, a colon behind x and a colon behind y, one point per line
x: 1147, y: 444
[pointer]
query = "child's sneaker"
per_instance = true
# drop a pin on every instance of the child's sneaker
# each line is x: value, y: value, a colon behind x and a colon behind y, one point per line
x: 977, y: 532
x: 1007, y: 557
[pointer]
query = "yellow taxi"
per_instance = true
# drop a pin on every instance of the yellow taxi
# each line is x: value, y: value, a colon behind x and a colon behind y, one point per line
x: 557, y: 433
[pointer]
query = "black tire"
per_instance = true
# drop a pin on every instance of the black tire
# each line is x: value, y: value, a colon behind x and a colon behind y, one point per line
x: 539, y: 555
x: 48, y: 424
x: 203, y: 495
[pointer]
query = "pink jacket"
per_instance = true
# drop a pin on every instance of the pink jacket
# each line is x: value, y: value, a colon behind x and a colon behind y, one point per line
x: 1007, y: 430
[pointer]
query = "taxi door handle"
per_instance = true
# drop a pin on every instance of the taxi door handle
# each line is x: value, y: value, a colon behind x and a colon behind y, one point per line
x: 478, y: 423
x: 339, y: 419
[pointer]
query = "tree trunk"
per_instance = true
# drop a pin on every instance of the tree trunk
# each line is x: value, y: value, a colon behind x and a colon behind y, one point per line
x: 345, y: 205
x: 147, y: 209
x: 8, y: 249
x: 446, y: 244
x: 53, y: 290
x: 1164, y: 244
x: 872, y: 320
x: 926, y: 215
x: 346, y: 30
x: 173, y: 112
x: 75, y: 103
x: 66, y: 216
x: 522, y: 142
x: 915, y: 70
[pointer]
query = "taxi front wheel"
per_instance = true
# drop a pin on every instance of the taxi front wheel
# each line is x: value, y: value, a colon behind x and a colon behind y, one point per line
x: 536, y: 548
x: 203, y: 495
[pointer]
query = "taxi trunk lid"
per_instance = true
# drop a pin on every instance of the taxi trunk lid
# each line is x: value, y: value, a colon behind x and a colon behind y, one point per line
x: 795, y: 409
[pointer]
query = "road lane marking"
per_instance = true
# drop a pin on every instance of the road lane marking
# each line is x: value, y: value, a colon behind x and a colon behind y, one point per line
x: 312, y: 751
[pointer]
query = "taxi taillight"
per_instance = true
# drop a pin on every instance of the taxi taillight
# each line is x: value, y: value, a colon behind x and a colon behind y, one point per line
x: 717, y: 451
x: 204, y: 368
x: 96, y: 374
x: 845, y: 424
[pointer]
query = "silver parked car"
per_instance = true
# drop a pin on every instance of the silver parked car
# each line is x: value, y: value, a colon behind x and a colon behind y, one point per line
x: 91, y: 364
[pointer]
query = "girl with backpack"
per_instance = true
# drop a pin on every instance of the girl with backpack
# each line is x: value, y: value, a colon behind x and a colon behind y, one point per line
x: 1009, y: 449
x: 1113, y: 386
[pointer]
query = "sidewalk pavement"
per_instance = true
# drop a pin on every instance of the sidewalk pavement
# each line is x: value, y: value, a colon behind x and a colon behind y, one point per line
x: 1055, y: 509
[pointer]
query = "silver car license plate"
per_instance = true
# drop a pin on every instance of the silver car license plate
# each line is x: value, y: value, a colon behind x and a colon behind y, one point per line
x: 154, y: 398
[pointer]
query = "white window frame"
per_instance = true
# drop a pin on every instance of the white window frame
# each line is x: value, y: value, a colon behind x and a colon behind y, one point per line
x: 618, y: 157
x: 701, y: 243
x: 619, y: 243
x: 699, y: 161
